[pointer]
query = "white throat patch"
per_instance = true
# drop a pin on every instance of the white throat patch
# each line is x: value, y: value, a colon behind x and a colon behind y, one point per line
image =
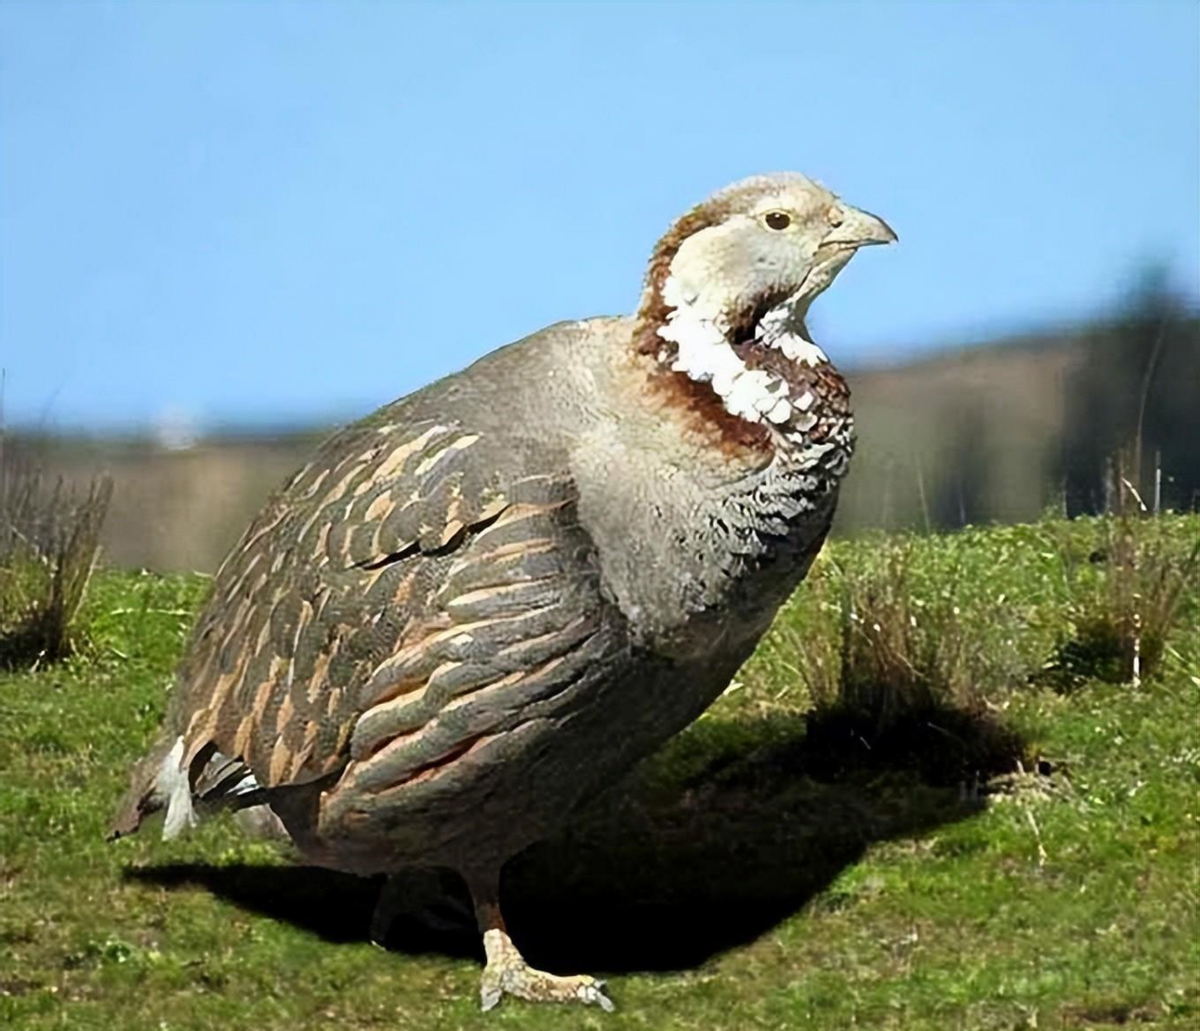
x: 704, y: 355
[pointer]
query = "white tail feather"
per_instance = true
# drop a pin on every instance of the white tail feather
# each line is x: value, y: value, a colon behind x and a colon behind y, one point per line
x: 174, y: 783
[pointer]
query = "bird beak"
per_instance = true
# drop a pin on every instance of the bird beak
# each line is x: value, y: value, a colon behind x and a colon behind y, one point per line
x: 859, y: 229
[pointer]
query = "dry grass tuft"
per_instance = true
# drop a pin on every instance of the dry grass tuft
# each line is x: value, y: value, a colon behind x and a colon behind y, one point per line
x: 898, y: 647
x: 902, y: 679
x: 1126, y: 597
x: 49, y: 542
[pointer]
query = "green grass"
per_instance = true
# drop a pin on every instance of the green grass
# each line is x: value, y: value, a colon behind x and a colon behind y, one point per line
x: 755, y: 874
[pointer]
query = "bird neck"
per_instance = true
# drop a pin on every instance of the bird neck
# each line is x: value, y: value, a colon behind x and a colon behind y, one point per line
x: 754, y: 378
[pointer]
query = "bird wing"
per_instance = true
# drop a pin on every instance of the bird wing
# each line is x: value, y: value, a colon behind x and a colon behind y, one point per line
x: 400, y: 602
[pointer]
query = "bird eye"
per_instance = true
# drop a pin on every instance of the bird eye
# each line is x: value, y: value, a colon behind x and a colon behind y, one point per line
x: 777, y: 219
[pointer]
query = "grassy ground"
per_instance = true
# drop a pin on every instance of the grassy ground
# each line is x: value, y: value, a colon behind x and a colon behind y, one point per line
x: 762, y: 872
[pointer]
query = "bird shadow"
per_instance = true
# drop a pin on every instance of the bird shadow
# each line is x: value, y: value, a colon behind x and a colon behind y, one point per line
x: 702, y: 848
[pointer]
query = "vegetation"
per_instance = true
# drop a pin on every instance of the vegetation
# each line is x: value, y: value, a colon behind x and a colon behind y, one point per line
x: 891, y: 820
x: 1120, y: 624
x: 49, y: 541
x: 1135, y: 392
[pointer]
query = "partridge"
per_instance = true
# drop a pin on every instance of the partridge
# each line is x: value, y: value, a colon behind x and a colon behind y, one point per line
x: 476, y: 607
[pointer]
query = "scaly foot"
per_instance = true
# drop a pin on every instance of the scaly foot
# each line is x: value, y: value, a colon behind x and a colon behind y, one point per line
x: 508, y: 973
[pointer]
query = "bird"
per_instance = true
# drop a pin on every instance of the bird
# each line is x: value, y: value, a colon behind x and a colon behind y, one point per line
x: 474, y: 609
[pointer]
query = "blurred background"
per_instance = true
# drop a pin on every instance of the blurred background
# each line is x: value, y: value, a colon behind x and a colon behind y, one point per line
x: 229, y: 228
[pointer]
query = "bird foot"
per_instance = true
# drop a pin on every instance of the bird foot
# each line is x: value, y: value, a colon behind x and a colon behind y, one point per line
x: 508, y: 973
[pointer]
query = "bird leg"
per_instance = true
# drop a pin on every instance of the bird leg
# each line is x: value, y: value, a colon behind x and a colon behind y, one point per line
x: 508, y: 973
x: 419, y: 894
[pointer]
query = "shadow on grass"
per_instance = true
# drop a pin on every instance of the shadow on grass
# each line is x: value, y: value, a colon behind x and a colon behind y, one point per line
x: 664, y: 872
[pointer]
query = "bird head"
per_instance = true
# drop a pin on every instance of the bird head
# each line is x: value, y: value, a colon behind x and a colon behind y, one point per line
x: 739, y: 271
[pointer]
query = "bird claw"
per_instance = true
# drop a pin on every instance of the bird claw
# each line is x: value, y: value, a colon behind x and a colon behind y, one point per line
x: 507, y: 973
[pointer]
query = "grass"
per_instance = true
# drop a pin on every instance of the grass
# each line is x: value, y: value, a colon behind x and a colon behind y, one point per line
x: 1120, y: 623
x: 49, y: 543
x: 773, y: 867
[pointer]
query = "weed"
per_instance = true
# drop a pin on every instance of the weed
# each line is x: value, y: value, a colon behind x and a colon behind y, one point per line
x: 1126, y: 596
x: 899, y: 678
x: 49, y: 542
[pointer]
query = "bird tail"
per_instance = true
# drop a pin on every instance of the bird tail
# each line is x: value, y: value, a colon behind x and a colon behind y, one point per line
x: 154, y: 784
x: 161, y: 781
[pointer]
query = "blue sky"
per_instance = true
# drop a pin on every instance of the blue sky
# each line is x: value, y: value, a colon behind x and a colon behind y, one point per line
x: 271, y: 212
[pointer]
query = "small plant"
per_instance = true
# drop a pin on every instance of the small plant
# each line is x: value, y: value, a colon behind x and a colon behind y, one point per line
x: 1127, y: 598
x: 49, y: 541
x: 904, y: 674
x: 901, y: 643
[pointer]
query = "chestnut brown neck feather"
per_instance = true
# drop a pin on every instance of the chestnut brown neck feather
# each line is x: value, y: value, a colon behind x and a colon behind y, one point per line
x: 705, y: 414
x: 653, y: 310
x: 697, y: 402
x: 702, y: 407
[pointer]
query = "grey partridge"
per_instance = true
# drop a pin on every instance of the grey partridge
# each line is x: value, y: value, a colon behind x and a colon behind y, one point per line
x: 488, y: 599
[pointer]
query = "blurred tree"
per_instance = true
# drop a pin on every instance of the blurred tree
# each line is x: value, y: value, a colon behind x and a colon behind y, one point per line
x: 960, y: 496
x: 1137, y: 387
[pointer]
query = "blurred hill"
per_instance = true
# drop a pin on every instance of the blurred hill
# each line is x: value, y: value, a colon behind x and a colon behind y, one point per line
x: 994, y: 432
x: 998, y: 432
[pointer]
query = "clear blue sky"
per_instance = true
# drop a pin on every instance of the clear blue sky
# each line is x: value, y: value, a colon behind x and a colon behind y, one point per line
x: 270, y: 212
